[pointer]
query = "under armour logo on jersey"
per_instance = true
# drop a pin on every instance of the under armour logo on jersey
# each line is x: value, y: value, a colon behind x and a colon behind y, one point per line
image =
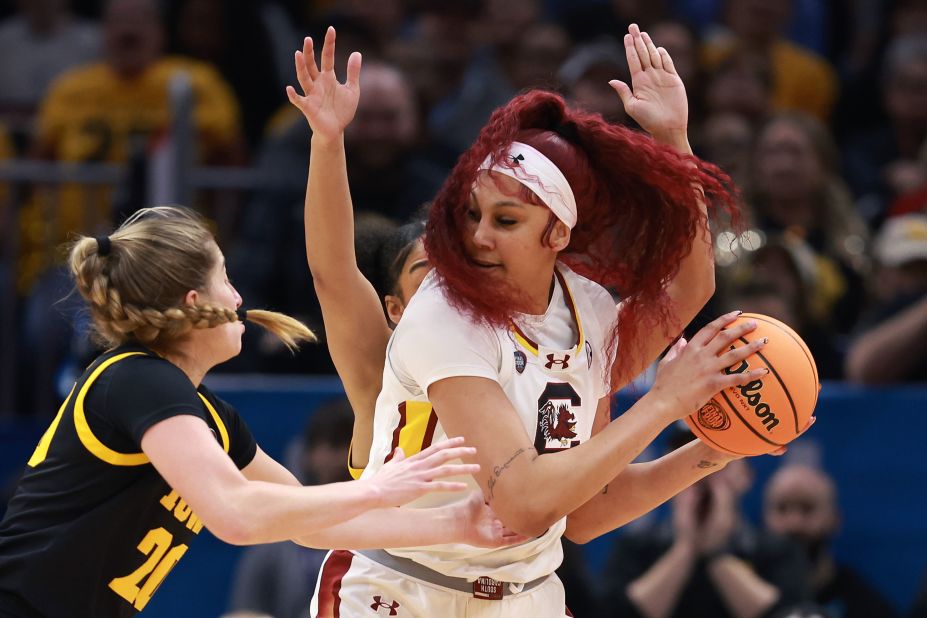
x: 561, y: 363
x: 516, y: 159
x: 378, y: 603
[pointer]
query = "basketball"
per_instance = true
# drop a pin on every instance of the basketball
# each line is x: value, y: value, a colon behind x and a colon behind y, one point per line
x: 762, y: 415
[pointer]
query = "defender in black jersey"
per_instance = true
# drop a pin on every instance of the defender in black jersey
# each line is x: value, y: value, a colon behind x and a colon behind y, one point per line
x: 141, y: 456
x: 93, y: 529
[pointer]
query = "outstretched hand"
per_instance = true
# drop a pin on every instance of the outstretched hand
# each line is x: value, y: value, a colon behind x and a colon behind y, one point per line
x: 402, y: 479
x: 327, y: 104
x: 658, y: 100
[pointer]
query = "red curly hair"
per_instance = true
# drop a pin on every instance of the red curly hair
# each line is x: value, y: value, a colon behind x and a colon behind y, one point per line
x: 638, y: 206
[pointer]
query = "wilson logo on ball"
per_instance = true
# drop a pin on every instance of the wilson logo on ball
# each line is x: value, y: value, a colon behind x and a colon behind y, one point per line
x: 711, y: 416
x: 751, y: 393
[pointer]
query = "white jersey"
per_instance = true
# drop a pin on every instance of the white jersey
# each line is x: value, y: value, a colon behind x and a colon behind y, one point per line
x: 551, y: 367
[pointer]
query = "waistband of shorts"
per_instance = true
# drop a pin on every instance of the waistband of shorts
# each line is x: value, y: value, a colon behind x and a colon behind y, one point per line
x: 409, y: 567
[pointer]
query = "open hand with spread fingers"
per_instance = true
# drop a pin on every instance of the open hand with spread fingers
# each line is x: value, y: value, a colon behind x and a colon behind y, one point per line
x: 692, y: 372
x: 656, y: 99
x: 403, y: 479
x: 327, y: 104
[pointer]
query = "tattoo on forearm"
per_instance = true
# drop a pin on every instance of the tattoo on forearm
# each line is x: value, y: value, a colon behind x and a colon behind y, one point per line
x: 706, y: 464
x: 498, y: 470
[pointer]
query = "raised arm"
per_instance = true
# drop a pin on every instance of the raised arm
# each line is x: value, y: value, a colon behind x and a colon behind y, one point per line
x: 355, y: 328
x: 659, y: 105
x: 242, y: 511
x: 559, y: 483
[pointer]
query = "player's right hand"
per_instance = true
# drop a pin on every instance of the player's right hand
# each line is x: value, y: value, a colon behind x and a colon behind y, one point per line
x: 403, y: 479
x: 692, y: 372
x: 327, y: 104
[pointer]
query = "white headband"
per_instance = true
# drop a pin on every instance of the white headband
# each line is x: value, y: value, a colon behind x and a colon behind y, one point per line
x: 542, y: 176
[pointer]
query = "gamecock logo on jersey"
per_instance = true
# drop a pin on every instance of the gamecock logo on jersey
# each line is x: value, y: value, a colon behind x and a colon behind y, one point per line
x: 556, y: 429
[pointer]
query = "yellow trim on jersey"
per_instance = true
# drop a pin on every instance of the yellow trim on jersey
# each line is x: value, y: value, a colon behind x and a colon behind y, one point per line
x: 223, y: 432
x: 571, y: 305
x: 524, y: 342
x: 41, y: 450
x: 412, y: 435
x: 90, y: 441
x: 354, y: 472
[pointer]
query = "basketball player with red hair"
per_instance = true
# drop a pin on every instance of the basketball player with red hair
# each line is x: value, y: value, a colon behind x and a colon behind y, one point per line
x: 514, y: 342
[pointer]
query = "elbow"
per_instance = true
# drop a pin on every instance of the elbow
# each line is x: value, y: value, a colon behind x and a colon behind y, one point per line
x: 234, y: 530
x: 577, y: 534
x: 531, y: 521
x: 233, y: 527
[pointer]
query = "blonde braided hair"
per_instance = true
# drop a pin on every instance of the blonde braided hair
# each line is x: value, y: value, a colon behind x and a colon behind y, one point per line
x: 135, y: 290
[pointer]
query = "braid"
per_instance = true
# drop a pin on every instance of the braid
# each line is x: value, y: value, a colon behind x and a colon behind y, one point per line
x: 135, y: 281
x: 154, y: 326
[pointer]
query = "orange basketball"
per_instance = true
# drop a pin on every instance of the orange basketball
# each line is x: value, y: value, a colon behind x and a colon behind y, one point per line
x: 762, y: 415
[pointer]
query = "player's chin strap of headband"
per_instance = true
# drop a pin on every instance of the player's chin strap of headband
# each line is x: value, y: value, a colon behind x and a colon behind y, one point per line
x: 532, y: 169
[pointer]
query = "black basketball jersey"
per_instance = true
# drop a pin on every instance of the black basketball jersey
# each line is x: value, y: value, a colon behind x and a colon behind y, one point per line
x: 93, y: 529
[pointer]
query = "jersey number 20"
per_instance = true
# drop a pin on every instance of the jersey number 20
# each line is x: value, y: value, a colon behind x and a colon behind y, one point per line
x: 161, y: 559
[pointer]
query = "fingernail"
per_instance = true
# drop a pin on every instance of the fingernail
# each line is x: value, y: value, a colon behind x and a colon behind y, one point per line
x: 765, y: 370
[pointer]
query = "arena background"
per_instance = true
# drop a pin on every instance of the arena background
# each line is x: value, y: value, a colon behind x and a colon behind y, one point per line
x: 437, y: 68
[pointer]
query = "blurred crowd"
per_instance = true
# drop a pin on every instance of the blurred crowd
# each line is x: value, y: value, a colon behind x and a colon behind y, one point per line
x: 816, y: 109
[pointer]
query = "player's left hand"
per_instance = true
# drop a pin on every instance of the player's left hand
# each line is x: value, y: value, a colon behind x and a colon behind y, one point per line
x: 481, y: 527
x: 658, y: 100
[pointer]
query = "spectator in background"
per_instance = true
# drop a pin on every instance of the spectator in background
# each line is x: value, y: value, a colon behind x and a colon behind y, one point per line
x: 708, y: 561
x: 727, y: 140
x: 387, y: 170
x: 881, y: 161
x: 740, y: 84
x: 588, y: 67
x: 915, y: 200
x: 538, y: 53
x: 796, y: 188
x: 587, y: 20
x: 237, y: 43
x: 487, y: 83
x: 278, y: 579
x: 784, y: 279
x: 99, y: 112
x: 801, y: 80
x: 382, y: 20
x: 891, y: 341
x: 434, y: 58
x: 800, y: 502
x: 105, y: 112
x: 42, y: 40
